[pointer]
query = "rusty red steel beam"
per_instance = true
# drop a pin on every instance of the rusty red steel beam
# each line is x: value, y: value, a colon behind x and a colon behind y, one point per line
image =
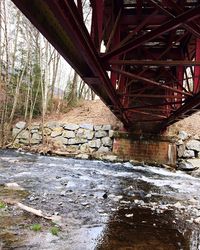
x: 97, y: 21
x: 193, y: 27
x: 61, y: 24
x: 168, y: 26
x: 157, y: 109
x: 191, y: 105
x: 196, y: 79
x: 147, y: 120
x: 138, y: 27
x: 131, y: 20
x: 154, y: 62
x: 80, y: 8
x: 146, y: 80
x: 190, y: 27
x: 146, y: 113
x: 153, y: 105
x: 152, y: 96
x: 113, y: 31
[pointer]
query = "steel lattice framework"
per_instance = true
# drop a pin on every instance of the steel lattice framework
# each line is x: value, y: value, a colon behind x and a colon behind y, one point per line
x: 149, y: 73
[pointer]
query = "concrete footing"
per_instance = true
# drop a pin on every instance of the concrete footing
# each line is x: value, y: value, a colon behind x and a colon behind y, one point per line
x: 147, y: 148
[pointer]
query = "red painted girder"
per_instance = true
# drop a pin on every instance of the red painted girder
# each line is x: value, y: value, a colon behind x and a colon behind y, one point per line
x: 196, y: 79
x: 189, y: 26
x: 132, y: 20
x: 146, y: 113
x: 157, y: 96
x: 184, y: 111
x: 180, y: 76
x: 155, y: 62
x: 138, y: 27
x: 97, y: 22
x: 147, y: 121
x: 170, y: 25
x: 171, y: 53
x: 146, y: 80
x: 192, y: 26
x: 153, y: 106
x: 80, y: 8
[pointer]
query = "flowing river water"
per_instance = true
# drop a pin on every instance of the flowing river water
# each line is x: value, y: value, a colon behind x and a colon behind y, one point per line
x: 103, y: 206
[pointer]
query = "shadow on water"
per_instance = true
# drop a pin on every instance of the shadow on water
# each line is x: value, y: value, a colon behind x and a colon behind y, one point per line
x: 142, y: 229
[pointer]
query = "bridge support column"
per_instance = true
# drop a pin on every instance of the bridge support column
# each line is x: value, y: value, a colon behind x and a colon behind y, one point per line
x: 149, y: 148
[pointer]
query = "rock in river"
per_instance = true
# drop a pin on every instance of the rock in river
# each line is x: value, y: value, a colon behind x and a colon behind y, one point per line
x: 186, y: 166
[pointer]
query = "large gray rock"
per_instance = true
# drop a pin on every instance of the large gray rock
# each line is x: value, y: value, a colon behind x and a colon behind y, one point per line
x: 111, y: 158
x: 72, y: 148
x: 75, y: 141
x: 103, y: 149
x: 111, y: 133
x: 15, y: 131
x: 106, y: 141
x: 80, y: 132
x: 179, y: 142
x: 51, y: 125
x: 94, y: 143
x: 68, y: 134
x: 88, y: 134
x: 34, y: 131
x: 71, y: 126
x: 106, y: 127
x: 82, y: 156
x: 182, y: 135
x: 186, y: 166
x: 56, y: 134
x: 84, y: 148
x: 36, y: 136
x: 24, y: 135
x: 59, y: 141
x: 20, y: 125
x: 34, y: 142
x: 87, y: 126
x: 85, y: 133
x: 35, y: 126
x: 193, y: 145
x: 100, y: 134
x: 181, y: 150
x: 188, y: 154
x: 97, y: 127
x: 24, y: 141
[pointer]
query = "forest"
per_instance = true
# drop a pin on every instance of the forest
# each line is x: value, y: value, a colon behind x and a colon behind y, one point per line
x: 34, y: 79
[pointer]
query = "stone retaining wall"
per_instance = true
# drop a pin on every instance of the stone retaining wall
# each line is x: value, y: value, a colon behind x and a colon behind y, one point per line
x: 188, y: 146
x: 83, y: 138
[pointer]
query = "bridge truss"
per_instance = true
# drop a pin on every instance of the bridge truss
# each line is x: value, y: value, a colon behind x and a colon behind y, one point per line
x: 149, y: 73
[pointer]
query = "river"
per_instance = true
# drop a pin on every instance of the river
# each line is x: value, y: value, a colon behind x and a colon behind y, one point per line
x: 103, y: 206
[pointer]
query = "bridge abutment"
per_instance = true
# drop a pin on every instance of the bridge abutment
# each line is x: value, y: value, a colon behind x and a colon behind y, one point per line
x: 147, y: 148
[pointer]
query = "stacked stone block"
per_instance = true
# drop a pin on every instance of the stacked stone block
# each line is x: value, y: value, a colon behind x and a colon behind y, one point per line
x: 84, y: 138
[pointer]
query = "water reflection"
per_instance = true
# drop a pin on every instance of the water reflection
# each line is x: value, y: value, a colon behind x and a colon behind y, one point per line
x: 143, y: 229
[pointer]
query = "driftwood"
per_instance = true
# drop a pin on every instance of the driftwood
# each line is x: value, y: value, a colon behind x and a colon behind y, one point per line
x: 54, y: 218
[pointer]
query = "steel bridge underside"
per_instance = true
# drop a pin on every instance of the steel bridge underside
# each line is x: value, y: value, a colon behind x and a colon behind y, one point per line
x: 148, y: 74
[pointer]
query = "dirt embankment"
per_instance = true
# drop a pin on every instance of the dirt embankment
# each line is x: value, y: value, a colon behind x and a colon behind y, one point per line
x: 191, y: 125
x: 96, y: 112
x: 92, y: 112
